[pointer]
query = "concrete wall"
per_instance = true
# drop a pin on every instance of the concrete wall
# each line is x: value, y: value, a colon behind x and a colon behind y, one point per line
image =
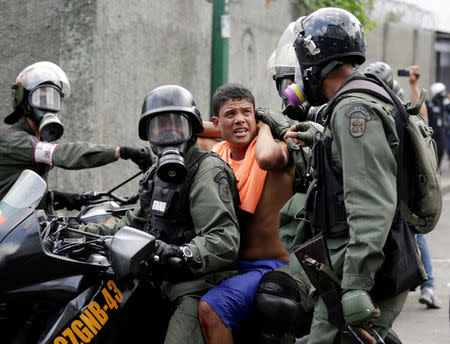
x: 255, y: 31
x: 114, y: 52
x: 402, y: 46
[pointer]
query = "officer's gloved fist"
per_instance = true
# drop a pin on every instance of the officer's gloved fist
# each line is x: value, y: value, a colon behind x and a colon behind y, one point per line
x: 70, y: 201
x: 358, y: 308
x: 167, y: 253
x: 305, y: 132
x: 140, y: 156
x: 277, y: 121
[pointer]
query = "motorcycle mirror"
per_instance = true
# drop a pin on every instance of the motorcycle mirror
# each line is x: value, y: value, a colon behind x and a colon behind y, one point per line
x: 130, y: 247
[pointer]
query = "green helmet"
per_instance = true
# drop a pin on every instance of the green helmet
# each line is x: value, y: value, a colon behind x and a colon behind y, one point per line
x: 39, y: 73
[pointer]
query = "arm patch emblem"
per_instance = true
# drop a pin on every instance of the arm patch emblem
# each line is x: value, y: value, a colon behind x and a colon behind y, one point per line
x: 357, y: 127
x: 224, y: 191
x: 358, y: 116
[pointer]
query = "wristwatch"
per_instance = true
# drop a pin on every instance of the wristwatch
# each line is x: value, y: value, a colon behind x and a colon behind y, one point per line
x: 187, y: 253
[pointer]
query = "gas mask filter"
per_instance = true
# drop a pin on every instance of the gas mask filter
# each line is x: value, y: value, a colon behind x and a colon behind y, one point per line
x: 295, y: 95
x: 45, y: 104
x: 169, y: 134
x: 305, y: 91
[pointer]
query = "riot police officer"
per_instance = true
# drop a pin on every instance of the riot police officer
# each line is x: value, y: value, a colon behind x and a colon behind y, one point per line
x: 382, y: 70
x: 359, y: 146
x: 436, y: 113
x: 187, y: 200
x: 34, y: 124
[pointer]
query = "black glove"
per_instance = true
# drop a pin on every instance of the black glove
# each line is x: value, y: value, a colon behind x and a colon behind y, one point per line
x: 165, y: 251
x: 140, y: 156
x: 70, y: 201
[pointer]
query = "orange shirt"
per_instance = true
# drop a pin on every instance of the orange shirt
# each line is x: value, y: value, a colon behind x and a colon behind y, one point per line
x: 250, y: 176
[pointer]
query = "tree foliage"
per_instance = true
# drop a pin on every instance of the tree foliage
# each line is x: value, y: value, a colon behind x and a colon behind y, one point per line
x: 359, y: 8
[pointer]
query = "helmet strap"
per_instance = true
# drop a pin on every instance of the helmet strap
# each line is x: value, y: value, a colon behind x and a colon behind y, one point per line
x: 329, y: 67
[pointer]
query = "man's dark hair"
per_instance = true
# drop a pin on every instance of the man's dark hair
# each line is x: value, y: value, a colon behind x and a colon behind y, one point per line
x: 230, y: 91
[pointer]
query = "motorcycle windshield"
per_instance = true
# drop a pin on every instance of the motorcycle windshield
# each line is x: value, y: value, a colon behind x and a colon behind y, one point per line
x: 23, y: 197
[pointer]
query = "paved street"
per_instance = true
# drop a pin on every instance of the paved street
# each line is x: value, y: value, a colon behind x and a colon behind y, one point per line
x: 417, y: 324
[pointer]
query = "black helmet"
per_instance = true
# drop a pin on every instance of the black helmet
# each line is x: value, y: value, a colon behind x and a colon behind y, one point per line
x: 329, y: 34
x: 169, y: 98
x: 327, y: 38
x: 382, y: 70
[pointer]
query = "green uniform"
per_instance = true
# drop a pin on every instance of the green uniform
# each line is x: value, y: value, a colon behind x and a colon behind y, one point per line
x: 363, y: 148
x: 215, y: 248
x: 20, y: 150
x: 364, y: 143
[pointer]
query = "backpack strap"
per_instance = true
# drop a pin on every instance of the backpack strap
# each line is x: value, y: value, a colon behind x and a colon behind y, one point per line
x: 374, y: 86
x: 359, y: 85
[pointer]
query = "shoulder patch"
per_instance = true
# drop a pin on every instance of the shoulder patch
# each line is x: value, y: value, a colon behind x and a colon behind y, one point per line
x: 359, y: 109
x: 357, y: 126
x: 224, y: 188
x: 219, y: 176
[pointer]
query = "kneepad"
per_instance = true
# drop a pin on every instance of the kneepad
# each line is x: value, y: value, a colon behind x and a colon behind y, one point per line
x: 277, y: 307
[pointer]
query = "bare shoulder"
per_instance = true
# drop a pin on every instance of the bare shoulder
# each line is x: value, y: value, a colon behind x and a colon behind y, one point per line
x: 207, y: 143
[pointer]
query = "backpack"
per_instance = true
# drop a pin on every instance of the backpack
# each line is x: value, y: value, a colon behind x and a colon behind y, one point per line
x: 418, y: 181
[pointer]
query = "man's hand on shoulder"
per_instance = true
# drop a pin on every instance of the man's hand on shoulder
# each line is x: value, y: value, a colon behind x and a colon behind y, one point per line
x: 277, y: 121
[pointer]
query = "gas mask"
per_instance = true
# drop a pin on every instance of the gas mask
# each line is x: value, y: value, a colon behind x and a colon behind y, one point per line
x: 45, y: 104
x: 305, y: 91
x: 296, y: 106
x: 169, y: 134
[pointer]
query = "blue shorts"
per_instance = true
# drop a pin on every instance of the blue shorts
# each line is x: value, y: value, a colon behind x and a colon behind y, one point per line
x: 233, y: 298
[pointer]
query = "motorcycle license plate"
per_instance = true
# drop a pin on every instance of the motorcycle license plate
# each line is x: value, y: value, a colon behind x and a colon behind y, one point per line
x: 87, y: 324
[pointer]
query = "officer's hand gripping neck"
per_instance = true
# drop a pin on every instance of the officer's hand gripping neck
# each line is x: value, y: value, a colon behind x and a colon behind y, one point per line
x: 140, y: 156
x: 278, y: 122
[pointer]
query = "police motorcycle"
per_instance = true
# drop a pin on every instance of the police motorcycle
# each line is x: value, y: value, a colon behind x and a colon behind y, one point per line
x: 104, y: 207
x: 59, y: 290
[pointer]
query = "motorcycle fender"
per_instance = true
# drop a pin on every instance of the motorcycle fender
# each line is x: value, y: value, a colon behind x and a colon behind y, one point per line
x: 83, y: 318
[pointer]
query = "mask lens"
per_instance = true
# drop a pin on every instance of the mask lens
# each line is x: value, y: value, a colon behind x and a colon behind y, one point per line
x: 46, y: 98
x: 284, y: 83
x: 168, y: 128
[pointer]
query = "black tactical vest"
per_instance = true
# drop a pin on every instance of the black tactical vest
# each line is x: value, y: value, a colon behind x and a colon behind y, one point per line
x: 402, y: 268
x: 167, y: 204
x: 325, y: 196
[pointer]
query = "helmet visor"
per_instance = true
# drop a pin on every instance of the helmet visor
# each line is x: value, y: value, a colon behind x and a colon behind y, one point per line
x: 46, y: 97
x: 168, y: 128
